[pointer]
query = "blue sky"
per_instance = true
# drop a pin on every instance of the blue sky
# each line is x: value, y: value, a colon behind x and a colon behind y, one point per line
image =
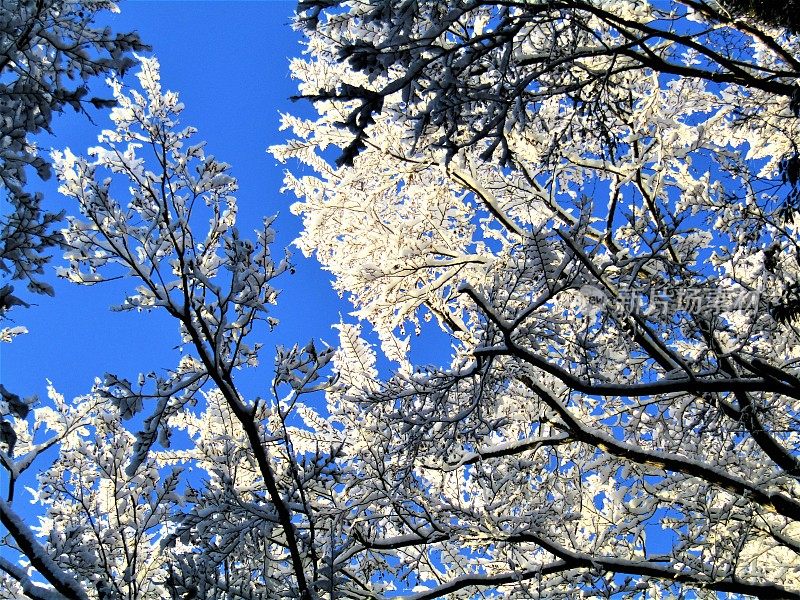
x: 229, y: 63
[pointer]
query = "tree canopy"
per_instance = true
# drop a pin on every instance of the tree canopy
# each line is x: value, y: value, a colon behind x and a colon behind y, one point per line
x: 593, y: 202
x: 597, y: 200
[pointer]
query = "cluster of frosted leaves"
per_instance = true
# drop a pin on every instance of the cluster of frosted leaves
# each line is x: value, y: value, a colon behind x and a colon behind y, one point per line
x: 32, y: 432
x: 159, y: 530
x: 229, y: 522
x: 175, y: 235
x: 52, y: 49
x: 103, y: 523
x: 131, y: 511
x: 188, y: 520
x: 470, y: 476
x: 24, y: 443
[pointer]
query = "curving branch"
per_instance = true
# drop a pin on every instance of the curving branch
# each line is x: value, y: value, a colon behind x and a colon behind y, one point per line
x: 62, y: 582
